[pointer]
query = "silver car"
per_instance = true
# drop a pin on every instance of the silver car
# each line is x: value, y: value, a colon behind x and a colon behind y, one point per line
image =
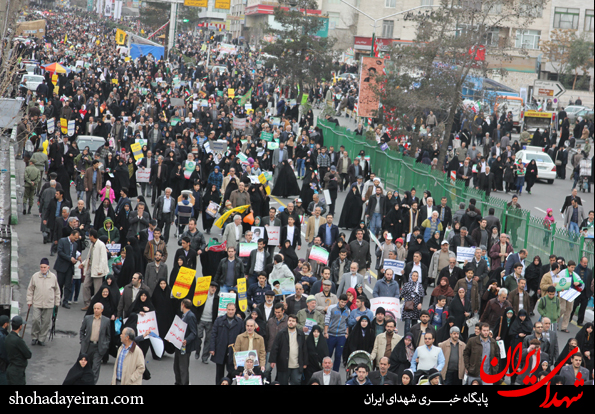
x: 93, y: 142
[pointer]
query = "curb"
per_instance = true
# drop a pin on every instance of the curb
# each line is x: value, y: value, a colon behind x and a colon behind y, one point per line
x: 14, y: 217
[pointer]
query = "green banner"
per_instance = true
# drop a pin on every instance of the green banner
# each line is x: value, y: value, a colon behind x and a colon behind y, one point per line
x: 246, y: 98
x: 267, y: 136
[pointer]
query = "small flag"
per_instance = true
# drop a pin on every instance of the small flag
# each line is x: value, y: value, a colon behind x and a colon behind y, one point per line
x: 215, y: 246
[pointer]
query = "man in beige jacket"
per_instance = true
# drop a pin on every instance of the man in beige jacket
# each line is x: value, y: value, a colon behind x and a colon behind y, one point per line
x: 250, y: 341
x: 130, y: 362
x: 43, y: 294
x: 95, y: 267
x: 381, y: 342
x: 453, y: 373
x: 314, y: 222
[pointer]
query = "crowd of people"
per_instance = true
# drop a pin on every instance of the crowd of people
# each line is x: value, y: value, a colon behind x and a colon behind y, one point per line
x: 114, y: 245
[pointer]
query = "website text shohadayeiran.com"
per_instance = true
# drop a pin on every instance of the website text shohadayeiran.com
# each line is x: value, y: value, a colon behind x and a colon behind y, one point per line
x: 68, y: 400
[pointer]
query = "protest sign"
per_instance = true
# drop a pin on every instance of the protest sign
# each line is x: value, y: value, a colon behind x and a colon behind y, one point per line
x: 113, y: 248
x: 70, y: 127
x: 137, y: 151
x: 246, y: 248
x: 183, y: 282
x: 143, y: 176
x: 51, y: 126
x: 239, y: 123
x: 257, y: 232
x: 147, y: 323
x: 273, y: 233
x: 253, y: 380
x: 243, y: 355
x: 465, y: 253
x: 242, y: 298
x: 392, y: 306
x: 157, y: 344
x: 212, y: 209
x: 397, y: 266
x: 286, y: 285
x: 231, y: 93
x: 319, y: 254
x: 176, y: 332
x: 266, y: 136
x: 224, y: 299
x: 273, y: 145
x: 310, y: 323
x: 201, y: 290
x: 219, y: 145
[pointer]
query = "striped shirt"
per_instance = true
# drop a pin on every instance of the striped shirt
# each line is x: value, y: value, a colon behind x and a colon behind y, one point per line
x: 120, y: 363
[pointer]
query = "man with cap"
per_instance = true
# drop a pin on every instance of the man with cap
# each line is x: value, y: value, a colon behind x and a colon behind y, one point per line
x: 43, y: 294
x: 440, y: 260
x: 17, y: 353
x: 454, y: 362
x: 307, y: 315
x: 4, y: 322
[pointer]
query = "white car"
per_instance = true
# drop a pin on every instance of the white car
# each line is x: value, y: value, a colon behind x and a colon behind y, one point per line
x: 546, y: 168
x: 347, y: 76
x: 220, y: 69
x: 33, y: 81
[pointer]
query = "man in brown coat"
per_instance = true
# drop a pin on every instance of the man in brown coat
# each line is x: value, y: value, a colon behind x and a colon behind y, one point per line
x: 92, y: 174
x: 495, y: 308
x: 239, y: 197
x: 473, y: 354
x: 243, y: 343
x: 453, y: 373
x: 515, y: 298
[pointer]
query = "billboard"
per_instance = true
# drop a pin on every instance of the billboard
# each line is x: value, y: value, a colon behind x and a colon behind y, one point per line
x: 368, y: 101
x: 35, y: 28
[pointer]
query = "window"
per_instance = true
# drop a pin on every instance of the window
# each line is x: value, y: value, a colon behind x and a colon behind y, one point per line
x: 527, y: 39
x: 565, y: 18
x: 465, y: 30
x: 492, y: 37
x: 494, y: 7
x: 390, y: 3
x: 387, y: 28
x: 530, y: 10
x: 333, y: 20
x: 589, y: 21
x: 427, y: 2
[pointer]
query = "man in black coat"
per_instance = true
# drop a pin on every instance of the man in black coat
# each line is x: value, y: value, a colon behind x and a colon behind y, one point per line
x: 414, y: 265
x: 452, y: 272
x: 289, y: 370
x: 568, y: 201
x: 158, y: 178
x: 586, y: 275
x: 383, y: 374
x: 182, y: 360
x: 187, y: 253
x: 224, y: 333
x: 64, y: 266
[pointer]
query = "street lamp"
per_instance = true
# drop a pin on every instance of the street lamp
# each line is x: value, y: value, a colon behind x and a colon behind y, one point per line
x: 382, y: 18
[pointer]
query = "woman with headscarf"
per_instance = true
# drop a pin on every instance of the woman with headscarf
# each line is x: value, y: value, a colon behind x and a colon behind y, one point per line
x: 494, y: 237
x: 139, y: 261
x: 434, y: 243
x: 132, y: 167
x: 361, y: 338
x: 361, y: 294
x: 122, y: 221
x: 104, y: 211
x: 400, y: 357
x: 519, y: 329
x: 351, y: 297
x: 317, y: 351
x: 256, y: 201
x: 498, y: 170
x: 460, y: 309
x: 176, y: 181
x: 309, y: 187
x: 289, y: 255
x: 442, y: 289
x: 81, y: 372
x: 393, y: 198
x: 417, y: 244
x: 103, y: 296
x: 509, y: 175
x: 584, y: 340
x: 393, y: 221
x: 444, y: 332
x: 261, y: 325
x: 412, y: 297
x: 533, y: 276
x: 502, y: 328
x: 337, y: 246
x: 123, y: 272
x: 570, y: 345
x: 165, y: 312
x: 531, y: 174
x: 352, y: 209
x: 212, y: 194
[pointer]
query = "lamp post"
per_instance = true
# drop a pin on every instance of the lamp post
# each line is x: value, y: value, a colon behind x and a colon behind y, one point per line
x: 382, y: 18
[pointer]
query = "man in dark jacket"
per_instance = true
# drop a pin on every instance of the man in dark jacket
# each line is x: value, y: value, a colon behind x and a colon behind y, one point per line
x: 224, y: 333
x: 474, y: 353
x: 182, y: 359
x: 226, y: 280
x: 289, y: 353
x: 495, y: 308
x: 17, y: 353
x: 586, y: 275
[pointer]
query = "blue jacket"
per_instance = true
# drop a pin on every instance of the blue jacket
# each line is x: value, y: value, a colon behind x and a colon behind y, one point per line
x: 357, y: 313
x: 336, y: 320
x: 382, y: 289
x: 256, y: 293
x: 184, y: 211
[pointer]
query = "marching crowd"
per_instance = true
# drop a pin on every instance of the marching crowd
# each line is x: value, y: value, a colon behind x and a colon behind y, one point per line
x: 109, y: 234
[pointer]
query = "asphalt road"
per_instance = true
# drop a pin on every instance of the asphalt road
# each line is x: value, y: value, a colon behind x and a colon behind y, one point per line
x: 50, y: 364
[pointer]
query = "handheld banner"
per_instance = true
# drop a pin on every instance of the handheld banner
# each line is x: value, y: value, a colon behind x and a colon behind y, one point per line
x: 201, y: 290
x: 183, y: 282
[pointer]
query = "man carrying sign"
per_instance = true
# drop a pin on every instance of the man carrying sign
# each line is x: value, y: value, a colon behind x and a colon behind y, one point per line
x: 249, y: 341
x: 182, y: 356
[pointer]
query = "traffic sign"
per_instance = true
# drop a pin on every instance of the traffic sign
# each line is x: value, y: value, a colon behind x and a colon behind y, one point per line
x: 547, y: 89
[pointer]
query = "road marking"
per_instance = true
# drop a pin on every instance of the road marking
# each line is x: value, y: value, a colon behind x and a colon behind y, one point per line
x: 537, y: 208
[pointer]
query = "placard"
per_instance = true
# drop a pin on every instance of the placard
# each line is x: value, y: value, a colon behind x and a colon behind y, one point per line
x: 231, y: 93
x: 327, y: 197
x: 273, y: 233
x: 239, y: 123
x: 219, y: 146
x: 319, y: 254
x: 286, y: 285
x: 114, y: 248
x: 252, y: 380
x: 51, y: 126
x: 147, y: 323
x: 183, y: 282
x: 465, y: 253
x: 143, y: 176
x: 201, y: 290
x: 273, y: 145
x: 310, y: 323
x: 396, y: 266
x: 243, y: 355
x: 266, y: 136
x: 242, y: 297
x: 246, y: 248
x: 392, y: 306
x: 257, y: 233
x: 224, y: 299
x: 71, y: 127
x: 212, y: 209
x: 176, y: 332
x: 137, y: 151
x: 176, y: 101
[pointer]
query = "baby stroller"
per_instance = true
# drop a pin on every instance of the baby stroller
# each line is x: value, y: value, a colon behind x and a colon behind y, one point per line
x: 584, y: 175
x: 356, y: 358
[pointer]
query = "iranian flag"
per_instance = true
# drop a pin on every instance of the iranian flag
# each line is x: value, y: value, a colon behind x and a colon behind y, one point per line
x: 215, y: 246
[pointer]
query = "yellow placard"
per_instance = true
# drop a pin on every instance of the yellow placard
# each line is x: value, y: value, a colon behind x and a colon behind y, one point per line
x: 57, y: 90
x: 262, y: 179
x: 137, y: 151
x: 223, y: 4
x: 97, y: 42
x: 64, y: 125
x: 55, y: 78
x: 183, y: 282
x: 196, y: 3
x: 231, y: 93
x: 242, y: 298
x: 127, y: 59
x: 268, y: 190
x: 120, y: 36
x: 225, y: 216
x: 201, y: 291
x: 115, y: 81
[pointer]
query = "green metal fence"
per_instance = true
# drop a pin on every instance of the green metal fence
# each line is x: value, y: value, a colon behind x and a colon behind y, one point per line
x: 402, y: 173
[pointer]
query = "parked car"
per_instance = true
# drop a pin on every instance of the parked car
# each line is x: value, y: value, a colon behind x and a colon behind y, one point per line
x: 573, y: 111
